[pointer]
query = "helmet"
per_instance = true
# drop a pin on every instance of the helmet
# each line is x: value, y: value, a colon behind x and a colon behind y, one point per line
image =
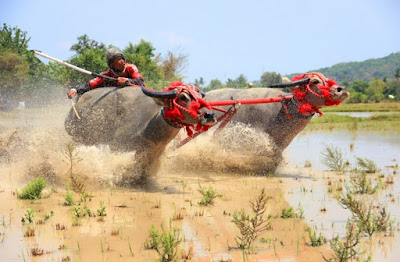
x: 112, y: 53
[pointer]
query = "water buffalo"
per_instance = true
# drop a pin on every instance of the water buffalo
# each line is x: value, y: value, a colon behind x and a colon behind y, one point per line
x: 282, y: 121
x: 137, y: 119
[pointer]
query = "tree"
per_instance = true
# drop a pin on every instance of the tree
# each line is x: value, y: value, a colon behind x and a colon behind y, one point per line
x: 13, y: 39
x: 142, y: 55
x: 375, y: 90
x: 172, y: 66
x: 85, y: 43
x: 269, y: 78
x: 397, y: 75
x: 393, y: 88
x: 230, y: 83
x: 91, y: 59
x: 13, y: 72
x: 241, y: 81
x: 214, y: 84
x: 359, y: 86
x: 199, y: 82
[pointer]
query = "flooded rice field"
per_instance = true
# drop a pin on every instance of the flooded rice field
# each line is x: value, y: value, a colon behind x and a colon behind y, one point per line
x: 102, y: 222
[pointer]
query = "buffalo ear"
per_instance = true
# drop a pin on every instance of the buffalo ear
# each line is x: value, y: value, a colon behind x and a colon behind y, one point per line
x: 161, y: 101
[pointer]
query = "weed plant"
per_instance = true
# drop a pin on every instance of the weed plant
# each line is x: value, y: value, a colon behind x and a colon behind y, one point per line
x: 360, y: 184
x: 253, y: 224
x: 208, y: 194
x: 333, y: 158
x: 29, y: 216
x: 165, y: 242
x: 346, y: 249
x: 69, y: 199
x: 368, y: 220
x: 48, y: 216
x: 33, y: 189
x: 101, y: 212
x: 72, y: 157
x: 288, y: 213
x: 366, y: 165
x: 316, y: 241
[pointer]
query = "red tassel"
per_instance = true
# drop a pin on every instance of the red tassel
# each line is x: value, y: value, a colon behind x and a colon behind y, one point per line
x: 305, y: 108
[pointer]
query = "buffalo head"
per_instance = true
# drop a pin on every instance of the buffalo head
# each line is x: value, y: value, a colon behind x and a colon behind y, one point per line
x: 183, y: 106
x: 313, y: 91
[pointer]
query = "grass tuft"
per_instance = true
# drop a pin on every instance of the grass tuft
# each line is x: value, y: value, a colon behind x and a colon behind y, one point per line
x: 33, y: 189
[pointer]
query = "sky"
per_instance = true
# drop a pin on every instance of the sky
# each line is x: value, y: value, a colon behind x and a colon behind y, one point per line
x: 222, y: 38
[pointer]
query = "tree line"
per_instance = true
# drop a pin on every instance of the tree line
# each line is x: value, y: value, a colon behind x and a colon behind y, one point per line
x: 24, y: 77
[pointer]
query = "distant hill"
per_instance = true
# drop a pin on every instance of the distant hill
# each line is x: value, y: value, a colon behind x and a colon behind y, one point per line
x: 364, y: 71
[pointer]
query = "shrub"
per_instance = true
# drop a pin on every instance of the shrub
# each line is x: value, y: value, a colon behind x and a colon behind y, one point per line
x: 208, y: 195
x: 333, y: 158
x: 253, y: 224
x: 165, y: 242
x: 33, y: 189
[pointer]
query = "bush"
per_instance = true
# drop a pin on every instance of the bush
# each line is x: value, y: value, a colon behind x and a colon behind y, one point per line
x: 33, y: 189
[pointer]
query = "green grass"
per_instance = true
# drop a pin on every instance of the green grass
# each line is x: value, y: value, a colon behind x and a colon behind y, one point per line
x: 376, y: 122
x: 33, y: 189
x: 365, y: 107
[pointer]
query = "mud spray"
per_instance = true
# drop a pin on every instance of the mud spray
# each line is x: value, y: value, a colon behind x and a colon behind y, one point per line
x: 33, y: 141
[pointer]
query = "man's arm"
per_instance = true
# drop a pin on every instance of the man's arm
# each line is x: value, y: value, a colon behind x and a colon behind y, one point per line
x: 80, y: 89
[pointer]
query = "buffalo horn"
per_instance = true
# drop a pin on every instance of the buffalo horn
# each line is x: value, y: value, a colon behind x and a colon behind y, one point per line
x: 158, y: 94
x: 302, y: 81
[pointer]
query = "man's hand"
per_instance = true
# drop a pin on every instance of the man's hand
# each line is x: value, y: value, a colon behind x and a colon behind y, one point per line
x: 122, y: 81
x: 71, y: 93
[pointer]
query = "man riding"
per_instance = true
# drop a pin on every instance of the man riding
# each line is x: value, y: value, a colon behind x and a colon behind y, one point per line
x: 123, y: 72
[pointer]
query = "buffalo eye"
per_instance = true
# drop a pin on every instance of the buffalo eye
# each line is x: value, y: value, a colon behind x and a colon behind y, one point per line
x: 183, y: 98
x: 315, y: 81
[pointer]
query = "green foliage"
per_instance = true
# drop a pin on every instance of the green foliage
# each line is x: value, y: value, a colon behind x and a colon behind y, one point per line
x: 269, y: 78
x: 239, y: 82
x: 375, y: 90
x: 33, y: 189
x: 288, y: 213
x: 253, y: 224
x: 142, y: 55
x: 346, y: 249
x: 385, y: 67
x: 69, y: 199
x: 13, y: 72
x: 367, y: 165
x: 29, y: 216
x: 368, y: 220
x: 165, y: 242
x: 85, y: 43
x: 101, y: 212
x: 316, y: 241
x: 333, y: 158
x: 361, y: 185
x: 48, y: 216
x: 13, y: 39
x: 208, y: 195
x: 213, y: 85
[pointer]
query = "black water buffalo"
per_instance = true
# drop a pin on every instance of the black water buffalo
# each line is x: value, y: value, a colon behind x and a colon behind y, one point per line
x: 132, y: 119
x: 282, y: 121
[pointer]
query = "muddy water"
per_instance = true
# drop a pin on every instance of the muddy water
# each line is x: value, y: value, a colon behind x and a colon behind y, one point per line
x: 35, y: 139
x: 310, y: 188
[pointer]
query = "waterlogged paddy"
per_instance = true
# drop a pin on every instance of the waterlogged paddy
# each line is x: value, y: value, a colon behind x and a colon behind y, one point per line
x: 172, y: 197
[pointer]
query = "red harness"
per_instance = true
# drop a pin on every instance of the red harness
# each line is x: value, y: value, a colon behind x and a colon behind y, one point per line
x: 173, y: 112
x: 300, y: 94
